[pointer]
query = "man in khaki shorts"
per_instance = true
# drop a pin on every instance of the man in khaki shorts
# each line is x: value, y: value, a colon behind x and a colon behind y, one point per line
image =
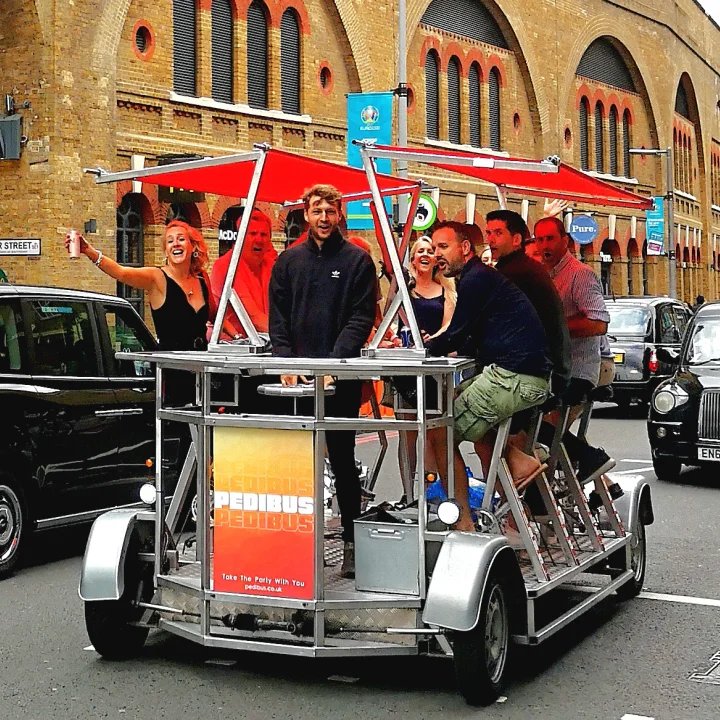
x: 495, y: 322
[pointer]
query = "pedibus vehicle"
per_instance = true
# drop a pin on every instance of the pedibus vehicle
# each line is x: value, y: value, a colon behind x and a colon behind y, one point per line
x: 640, y: 327
x: 78, y: 415
x: 264, y: 573
x: 684, y: 420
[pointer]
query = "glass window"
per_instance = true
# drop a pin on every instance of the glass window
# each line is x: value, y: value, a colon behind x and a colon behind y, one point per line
x: 628, y: 320
x: 12, y: 339
x: 128, y: 334
x: 257, y: 55
x: 704, y: 347
x: 62, y: 338
x: 681, y: 319
x: 130, y: 245
x: 668, y: 330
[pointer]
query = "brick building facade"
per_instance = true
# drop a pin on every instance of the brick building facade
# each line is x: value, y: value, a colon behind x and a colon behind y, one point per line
x: 115, y: 83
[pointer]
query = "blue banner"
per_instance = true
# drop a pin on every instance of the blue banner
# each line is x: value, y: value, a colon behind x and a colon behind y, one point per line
x: 369, y: 117
x: 655, y: 227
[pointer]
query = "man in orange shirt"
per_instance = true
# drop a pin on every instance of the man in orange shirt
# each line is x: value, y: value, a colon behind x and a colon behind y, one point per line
x: 253, y: 273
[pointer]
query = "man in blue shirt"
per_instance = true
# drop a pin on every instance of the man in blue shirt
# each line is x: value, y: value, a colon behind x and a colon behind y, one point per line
x: 495, y: 322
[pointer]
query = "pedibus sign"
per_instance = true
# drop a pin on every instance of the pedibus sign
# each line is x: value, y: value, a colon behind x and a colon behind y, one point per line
x: 26, y: 247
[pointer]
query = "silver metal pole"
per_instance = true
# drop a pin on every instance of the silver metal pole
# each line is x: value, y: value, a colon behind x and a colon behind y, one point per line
x: 159, y: 489
x: 670, y: 200
x: 402, y: 166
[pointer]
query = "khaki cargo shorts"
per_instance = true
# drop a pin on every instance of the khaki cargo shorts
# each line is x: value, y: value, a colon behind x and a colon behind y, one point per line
x: 493, y: 396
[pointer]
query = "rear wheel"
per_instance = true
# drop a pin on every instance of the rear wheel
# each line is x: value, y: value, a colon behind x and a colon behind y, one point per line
x: 481, y: 654
x: 14, y: 525
x: 111, y: 624
x: 638, y: 562
x: 667, y: 468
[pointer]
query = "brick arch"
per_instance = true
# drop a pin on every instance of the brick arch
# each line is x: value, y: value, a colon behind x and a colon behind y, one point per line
x: 518, y: 36
x: 475, y: 56
x: 430, y: 43
x: 694, y: 120
x: 222, y: 204
x: 633, y: 248
x: 626, y: 43
x: 495, y: 62
x: 453, y: 49
x: 154, y: 213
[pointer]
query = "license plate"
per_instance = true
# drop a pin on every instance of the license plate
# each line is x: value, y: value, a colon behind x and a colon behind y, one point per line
x: 619, y: 357
x: 709, y: 453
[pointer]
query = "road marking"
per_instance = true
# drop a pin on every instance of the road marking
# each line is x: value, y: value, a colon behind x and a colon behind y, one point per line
x: 710, y: 676
x: 636, y: 717
x: 632, y: 471
x: 683, y: 599
x: 89, y: 647
x: 632, y: 460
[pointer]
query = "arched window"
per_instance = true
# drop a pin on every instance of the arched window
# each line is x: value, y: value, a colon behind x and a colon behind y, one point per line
x: 290, y: 62
x: 130, y: 245
x: 432, y: 118
x: 184, y: 47
x: 474, y: 105
x: 612, y: 132
x: 257, y: 56
x: 584, y: 139
x: 494, y: 108
x: 453, y: 81
x: 599, y: 140
x: 603, y: 62
x: 627, y: 167
x: 222, y: 51
x: 676, y: 158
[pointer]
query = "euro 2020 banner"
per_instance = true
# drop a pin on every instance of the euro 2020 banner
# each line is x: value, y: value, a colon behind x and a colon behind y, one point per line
x: 370, y: 117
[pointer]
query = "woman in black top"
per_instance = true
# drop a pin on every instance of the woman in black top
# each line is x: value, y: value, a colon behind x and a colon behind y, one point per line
x: 179, y: 296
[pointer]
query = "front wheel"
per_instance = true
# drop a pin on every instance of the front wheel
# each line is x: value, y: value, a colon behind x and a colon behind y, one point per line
x: 14, y: 526
x: 638, y: 563
x: 111, y: 624
x: 481, y: 654
x: 667, y: 469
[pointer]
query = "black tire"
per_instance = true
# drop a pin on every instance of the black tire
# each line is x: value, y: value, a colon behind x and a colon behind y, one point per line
x: 109, y: 623
x: 14, y: 525
x: 667, y: 469
x: 481, y: 654
x: 638, y: 548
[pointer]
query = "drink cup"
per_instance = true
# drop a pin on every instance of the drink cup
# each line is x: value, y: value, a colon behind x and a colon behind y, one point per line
x: 74, y: 246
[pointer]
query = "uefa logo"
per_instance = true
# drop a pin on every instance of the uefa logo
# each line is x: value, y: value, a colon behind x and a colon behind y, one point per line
x: 369, y: 115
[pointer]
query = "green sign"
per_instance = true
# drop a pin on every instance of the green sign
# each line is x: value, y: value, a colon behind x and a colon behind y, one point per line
x: 426, y: 213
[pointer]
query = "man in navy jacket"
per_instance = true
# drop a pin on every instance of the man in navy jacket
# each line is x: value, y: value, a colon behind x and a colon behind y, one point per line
x: 322, y: 305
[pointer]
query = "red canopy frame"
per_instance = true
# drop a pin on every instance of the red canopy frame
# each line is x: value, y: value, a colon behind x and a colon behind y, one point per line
x: 265, y: 175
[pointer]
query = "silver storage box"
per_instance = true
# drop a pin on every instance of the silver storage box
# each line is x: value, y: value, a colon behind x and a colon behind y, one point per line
x: 386, y: 554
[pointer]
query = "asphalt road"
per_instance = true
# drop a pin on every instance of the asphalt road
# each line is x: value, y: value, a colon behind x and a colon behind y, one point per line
x: 622, y: 660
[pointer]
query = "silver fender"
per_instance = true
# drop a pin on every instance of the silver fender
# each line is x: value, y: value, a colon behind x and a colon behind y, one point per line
x: 458, y: 581
x: 103, y: 569
x: 635, y: 504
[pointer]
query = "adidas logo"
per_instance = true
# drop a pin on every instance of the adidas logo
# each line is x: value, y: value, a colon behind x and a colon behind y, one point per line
x: 335, y: 274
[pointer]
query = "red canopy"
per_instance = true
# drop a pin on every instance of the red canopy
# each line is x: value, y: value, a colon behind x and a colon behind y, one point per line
x: 286, y: 176
x: 566, y: 184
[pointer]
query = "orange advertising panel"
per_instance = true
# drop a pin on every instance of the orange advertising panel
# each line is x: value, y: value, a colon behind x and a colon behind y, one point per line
x: 264, y: 534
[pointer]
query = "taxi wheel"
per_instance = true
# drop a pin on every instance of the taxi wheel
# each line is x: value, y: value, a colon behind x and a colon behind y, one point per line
x: 638, y: 563
x: 666, y: 468
x: 14, y: 525
x: 481, y: 654
x: 111, y: 624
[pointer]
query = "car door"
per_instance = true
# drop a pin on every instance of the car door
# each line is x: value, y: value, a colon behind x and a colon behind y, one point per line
x: 669, y: 333
x: 133, y: 382
x: 73, y: 431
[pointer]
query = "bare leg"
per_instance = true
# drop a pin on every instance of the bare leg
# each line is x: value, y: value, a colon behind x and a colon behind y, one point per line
x: 461, y: 484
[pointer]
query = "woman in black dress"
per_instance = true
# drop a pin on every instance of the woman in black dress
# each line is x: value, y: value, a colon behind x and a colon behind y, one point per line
x: 179, y: 297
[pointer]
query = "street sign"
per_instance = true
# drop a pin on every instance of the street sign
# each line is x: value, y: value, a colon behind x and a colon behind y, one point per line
x: 28, y: 247
x: 426, y: 213
x: 584, y: 229
x: 655, y: 227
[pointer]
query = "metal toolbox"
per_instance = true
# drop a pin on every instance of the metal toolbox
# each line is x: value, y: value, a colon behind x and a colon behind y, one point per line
x: 386, y: 554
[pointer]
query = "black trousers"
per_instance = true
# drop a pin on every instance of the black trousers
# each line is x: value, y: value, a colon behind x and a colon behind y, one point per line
x: 345, y: 403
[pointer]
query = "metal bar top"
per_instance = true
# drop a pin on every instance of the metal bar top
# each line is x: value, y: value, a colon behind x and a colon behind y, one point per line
x: 367, y: 367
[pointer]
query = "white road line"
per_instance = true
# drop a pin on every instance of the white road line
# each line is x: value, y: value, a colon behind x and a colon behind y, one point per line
x: 632, y: 460
x: 636, y: 717
x: 683, y: 599
x: 632, y: 471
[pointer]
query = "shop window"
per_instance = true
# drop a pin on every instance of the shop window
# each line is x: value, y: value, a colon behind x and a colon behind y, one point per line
x: 432, y: 99
x: 599, y: 142
x: 474, y: 105
x: 494, y: 108
x: 612, y: 137
x: 130, y: 246
x: 584, y: 147
x: 257, y: 56
x: 184, y: 47
x: 453, y: 80
x: 290, y: 62
x: 227, y: 229
x: 222, y: 51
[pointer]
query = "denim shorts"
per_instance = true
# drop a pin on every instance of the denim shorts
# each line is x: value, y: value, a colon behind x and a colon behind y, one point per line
x: 493, y: 396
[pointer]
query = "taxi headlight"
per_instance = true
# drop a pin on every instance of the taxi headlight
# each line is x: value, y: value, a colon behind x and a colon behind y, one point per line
x: 664, y: 401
